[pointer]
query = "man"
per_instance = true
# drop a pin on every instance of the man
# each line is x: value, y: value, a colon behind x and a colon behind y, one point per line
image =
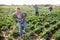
x: 50, y: 9
x: 21, y: 20
x: 36, y: 10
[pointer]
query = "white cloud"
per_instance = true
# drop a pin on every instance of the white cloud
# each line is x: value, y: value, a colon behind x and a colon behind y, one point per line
x: 21, y: 2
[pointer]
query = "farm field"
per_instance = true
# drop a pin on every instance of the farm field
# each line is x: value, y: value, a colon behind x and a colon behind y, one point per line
x: 45, y: 26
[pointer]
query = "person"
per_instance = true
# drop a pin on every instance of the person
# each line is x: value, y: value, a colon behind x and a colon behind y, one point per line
x: 50, y: 9
x: 21, y: 20
x: 36, y: 10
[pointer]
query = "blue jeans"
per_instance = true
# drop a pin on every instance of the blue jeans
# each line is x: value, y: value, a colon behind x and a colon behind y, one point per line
x: 20, y: 26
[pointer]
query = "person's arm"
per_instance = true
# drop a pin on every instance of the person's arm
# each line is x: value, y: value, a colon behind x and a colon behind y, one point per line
x: 14, y: 15
x: 24, y: 15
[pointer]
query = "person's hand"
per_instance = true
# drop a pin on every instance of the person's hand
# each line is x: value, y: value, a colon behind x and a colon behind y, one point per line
x: 20, y: 19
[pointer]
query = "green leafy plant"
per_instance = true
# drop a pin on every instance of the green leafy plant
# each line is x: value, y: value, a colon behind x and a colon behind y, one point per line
x: 57, y: 35
x: 10, y: 38
x: 4, y: 28
x: 46, y: 25
x: 15, y: 33
x: 1, y: 37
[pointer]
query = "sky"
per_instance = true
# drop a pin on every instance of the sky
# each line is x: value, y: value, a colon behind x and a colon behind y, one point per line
x: 29, y: 2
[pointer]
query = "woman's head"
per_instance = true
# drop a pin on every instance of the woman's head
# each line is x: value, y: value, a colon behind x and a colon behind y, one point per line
x: 17, y: 10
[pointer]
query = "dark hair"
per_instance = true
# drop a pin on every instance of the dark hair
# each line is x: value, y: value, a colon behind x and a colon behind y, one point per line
x: 18, y: 8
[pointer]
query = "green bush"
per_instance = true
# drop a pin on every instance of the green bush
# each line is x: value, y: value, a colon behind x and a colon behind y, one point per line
x: 31, y: 33
x: 1, y: 36
x: 57, y: 35
x: 38, y: 30
x: 26, y: 37
x: 15, y: 33
x: 53, y: 22
x: 19, y: 38
x: 58, y: 24
x: 4, y: 28
x: 2, y: 24
x: 10, y: 38
x: 47, y: 25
